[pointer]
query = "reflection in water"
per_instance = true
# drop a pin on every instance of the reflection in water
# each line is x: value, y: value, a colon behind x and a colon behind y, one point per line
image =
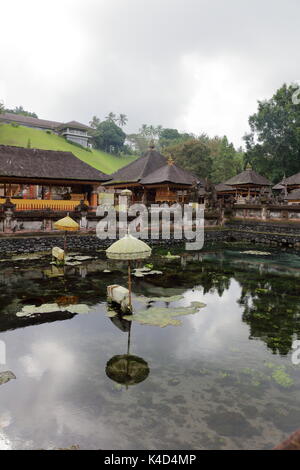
x: 126, y: 369
x: 223, y: 379
x: 270, y: 290
x: 271, y: 309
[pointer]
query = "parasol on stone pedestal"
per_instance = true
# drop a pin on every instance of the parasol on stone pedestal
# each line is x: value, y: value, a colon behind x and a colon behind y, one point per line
x: 129, y: 248
x: 67, y: 224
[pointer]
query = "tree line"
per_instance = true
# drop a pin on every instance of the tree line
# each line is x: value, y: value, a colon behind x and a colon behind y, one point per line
x: 272, y: 145
x: 214, y: 158
x: 16, y: 110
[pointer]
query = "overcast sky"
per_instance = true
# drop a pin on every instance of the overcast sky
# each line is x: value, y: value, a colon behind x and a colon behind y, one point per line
x: 197, y: 65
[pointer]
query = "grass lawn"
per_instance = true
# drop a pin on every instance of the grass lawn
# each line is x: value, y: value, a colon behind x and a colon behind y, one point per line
x: 18, y: 136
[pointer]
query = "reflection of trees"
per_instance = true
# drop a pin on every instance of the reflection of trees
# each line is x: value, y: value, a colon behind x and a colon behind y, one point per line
x: 270, y: 302
x: 271, y: 309
x: 215, y: 282
x: 211, y: 276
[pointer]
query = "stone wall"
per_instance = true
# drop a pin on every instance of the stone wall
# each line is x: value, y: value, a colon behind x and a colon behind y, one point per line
x: 248, y: 223
x: 250, y: 233
x: 267, y: 233
x: 267, y: 212
x: 80, y: 242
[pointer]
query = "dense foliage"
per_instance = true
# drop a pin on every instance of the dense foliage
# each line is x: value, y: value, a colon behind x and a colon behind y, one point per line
x: 109, y: 137
x: 215, y: 159
x: 273, y: 145
x: 21, y: 110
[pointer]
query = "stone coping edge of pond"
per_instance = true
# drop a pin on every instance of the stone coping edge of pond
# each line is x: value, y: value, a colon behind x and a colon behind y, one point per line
x: 34, y: 243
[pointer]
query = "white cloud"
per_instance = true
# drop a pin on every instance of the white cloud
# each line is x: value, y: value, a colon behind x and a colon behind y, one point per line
x: 48, y: 356
x: 197, y: 64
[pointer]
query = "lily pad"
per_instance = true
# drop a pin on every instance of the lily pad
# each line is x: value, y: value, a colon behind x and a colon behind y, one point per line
x: 73, y: 263
x: 29, y: 310
x: 28, y: 256
x: 162, y: 316
x: 6, y: 376
x: 144, y: 269
x: 172, y: 298
x: 142, y: 272
x: 254, y: 252
x: 138, y: 274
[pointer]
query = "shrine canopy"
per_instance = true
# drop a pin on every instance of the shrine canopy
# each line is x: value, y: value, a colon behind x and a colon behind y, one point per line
x: 248, y: 180
x: 153, y: 179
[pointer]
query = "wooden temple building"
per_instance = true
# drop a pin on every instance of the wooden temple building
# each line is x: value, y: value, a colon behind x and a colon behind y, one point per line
x: 290, y: 183
x: 224, y: 191
x: 290, y: 187
x: 37, y: 179
x: 246, y: 184
x: 154, y: 179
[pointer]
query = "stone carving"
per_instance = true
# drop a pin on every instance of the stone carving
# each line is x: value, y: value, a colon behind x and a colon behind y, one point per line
x: 210, y: 195
x: 83, y: 209
x: 10, y: 224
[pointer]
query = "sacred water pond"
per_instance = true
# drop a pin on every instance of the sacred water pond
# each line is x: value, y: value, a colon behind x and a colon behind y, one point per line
x: 218, y: 376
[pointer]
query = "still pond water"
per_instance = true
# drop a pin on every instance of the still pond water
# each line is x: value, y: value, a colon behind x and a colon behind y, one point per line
x: 220, y: 378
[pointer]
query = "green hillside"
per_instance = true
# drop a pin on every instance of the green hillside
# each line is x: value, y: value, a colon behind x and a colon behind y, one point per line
x: 18, y: 136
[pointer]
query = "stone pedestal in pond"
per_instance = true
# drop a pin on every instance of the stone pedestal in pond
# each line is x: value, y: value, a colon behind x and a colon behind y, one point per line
x: 119, y: 295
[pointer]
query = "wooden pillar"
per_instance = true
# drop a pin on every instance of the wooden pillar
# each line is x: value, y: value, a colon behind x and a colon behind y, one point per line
x: 144, y: 198
x: 94, y: 197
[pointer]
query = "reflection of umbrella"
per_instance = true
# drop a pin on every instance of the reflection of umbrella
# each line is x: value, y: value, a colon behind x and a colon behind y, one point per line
x: 121, y: 323
x: 67, y: 225
x: 128, y: 248
x: 127, y: 369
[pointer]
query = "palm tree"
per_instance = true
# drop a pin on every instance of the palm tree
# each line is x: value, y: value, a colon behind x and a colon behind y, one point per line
x: 152, y: 131
x: 111, y: 117
x: 159, y: 130
x: 94, y: 123
x: 144, y: 130
x: 122, y: 119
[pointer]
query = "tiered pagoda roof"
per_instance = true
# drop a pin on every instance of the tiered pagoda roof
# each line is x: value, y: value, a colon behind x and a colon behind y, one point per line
x: 153, y: 168
x: 140, y: 168
x: 170, y: 173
